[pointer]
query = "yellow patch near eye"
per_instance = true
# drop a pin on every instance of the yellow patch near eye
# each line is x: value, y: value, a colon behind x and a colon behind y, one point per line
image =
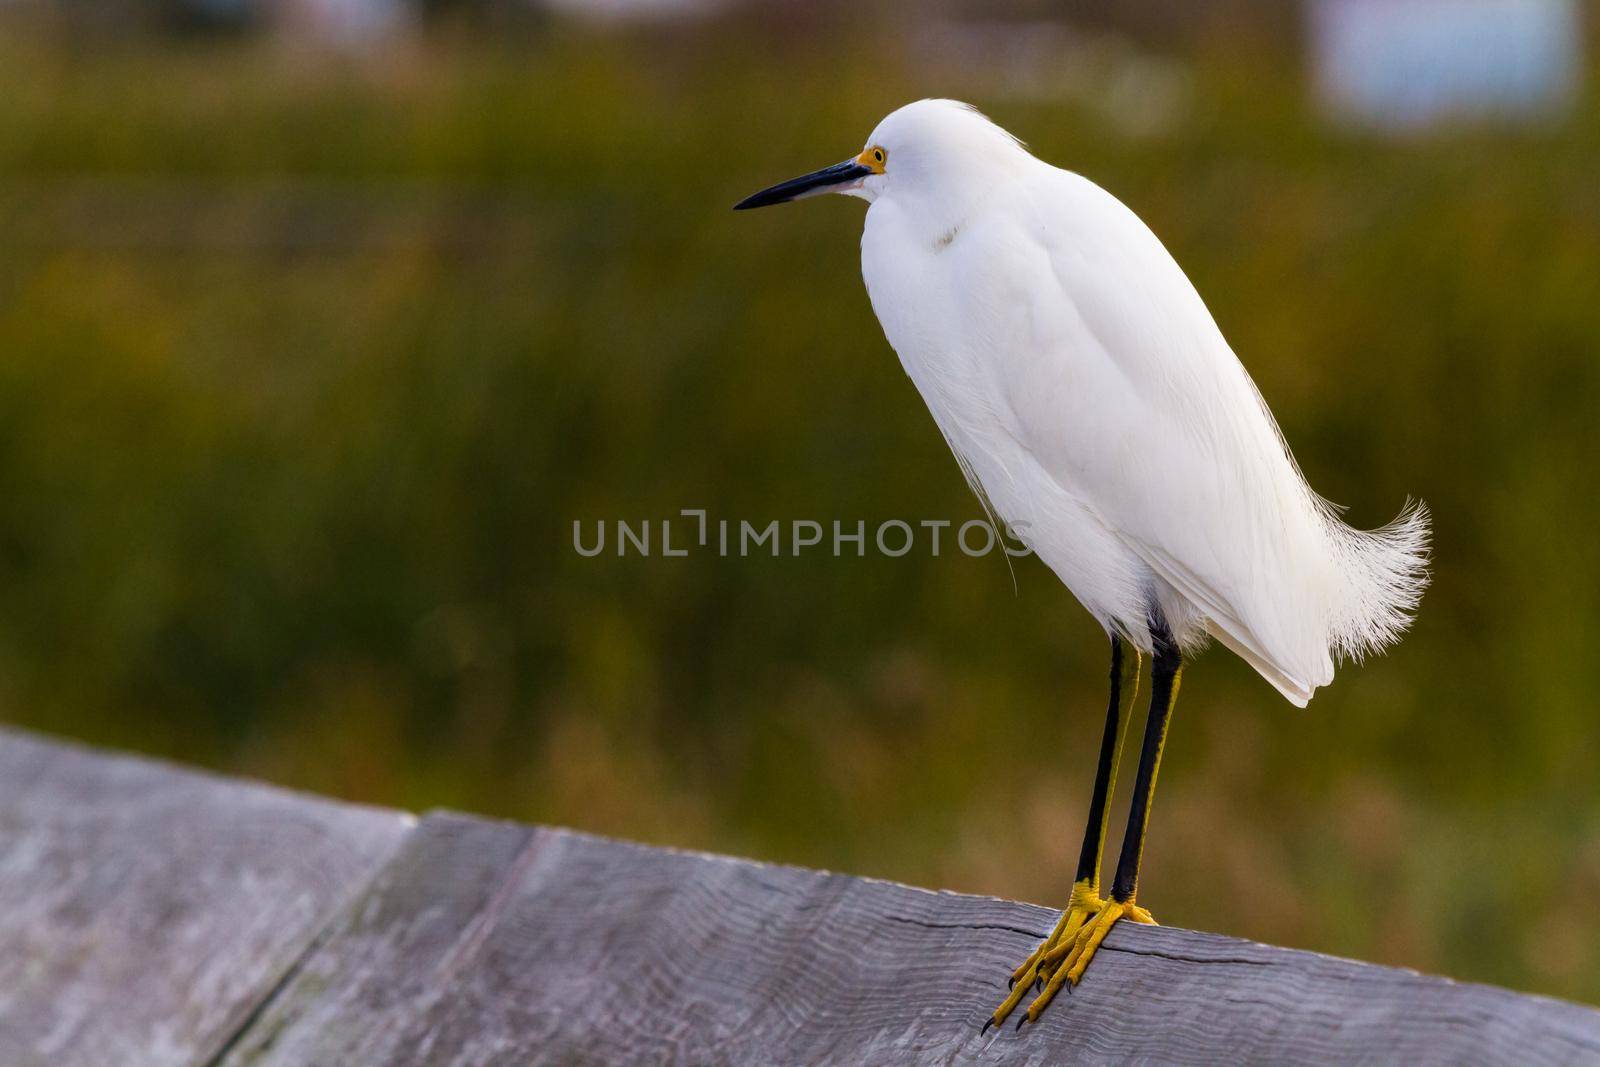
x: 873, y: 159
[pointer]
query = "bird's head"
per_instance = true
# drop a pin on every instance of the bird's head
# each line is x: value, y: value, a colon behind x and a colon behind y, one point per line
x: 932, y: 148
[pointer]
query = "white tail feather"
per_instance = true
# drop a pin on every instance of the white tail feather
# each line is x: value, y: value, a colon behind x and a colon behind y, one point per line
x: 1387, y: 570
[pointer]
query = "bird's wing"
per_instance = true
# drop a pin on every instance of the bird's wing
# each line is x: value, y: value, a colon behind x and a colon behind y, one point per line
x: 1120, y: 384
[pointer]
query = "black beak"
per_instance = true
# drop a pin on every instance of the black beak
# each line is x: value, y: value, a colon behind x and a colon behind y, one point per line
x: 806, y: 184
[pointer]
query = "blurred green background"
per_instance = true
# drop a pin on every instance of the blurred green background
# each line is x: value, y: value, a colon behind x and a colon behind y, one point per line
x: 311, y: 356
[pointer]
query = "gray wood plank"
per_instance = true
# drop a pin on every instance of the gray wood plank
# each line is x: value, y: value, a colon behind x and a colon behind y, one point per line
x: 146, y: 912
x: 489, y: 944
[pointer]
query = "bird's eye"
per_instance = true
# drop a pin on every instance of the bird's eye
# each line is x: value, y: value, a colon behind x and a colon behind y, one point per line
x: 873, y: 158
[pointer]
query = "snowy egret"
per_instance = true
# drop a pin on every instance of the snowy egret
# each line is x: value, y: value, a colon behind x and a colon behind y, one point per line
x: 1091, y: 400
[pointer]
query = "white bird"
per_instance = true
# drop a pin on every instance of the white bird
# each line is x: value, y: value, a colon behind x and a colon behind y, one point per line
x: 1094, y: 405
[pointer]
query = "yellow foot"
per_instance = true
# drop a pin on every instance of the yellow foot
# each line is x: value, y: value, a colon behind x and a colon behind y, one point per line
x: 1071, y: 960
x: 1084, y: 903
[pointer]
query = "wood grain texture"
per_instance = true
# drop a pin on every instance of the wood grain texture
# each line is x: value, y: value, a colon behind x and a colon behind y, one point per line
x: 489, y: 945
x: 146, y: 912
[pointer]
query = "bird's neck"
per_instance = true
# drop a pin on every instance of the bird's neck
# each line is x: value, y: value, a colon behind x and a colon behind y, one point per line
x: 940, y: 212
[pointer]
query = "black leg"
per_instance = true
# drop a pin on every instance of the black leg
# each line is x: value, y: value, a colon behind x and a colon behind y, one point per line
x: 1072, y: 949
x: 1085, y: 901
x: 1124, y: 683
x: 1164, y: 674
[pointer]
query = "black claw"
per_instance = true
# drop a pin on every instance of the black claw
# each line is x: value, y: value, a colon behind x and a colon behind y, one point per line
x: 984, y: 1029
x: 1011, y: 983
x: 1022, y: 1021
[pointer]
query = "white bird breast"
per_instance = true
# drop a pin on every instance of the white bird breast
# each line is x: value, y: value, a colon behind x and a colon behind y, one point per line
x: 966, y: 315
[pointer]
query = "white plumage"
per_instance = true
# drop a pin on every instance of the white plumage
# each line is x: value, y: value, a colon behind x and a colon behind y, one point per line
x: 1091, y: 399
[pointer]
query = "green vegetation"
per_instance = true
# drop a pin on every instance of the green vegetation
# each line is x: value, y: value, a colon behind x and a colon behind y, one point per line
x: 309, y: 365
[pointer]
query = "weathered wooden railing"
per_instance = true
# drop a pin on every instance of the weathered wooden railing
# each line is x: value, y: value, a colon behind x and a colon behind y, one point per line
x: 156, y: 916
